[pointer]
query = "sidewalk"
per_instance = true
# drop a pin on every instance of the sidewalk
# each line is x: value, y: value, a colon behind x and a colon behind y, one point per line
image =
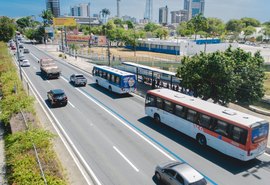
x: 2, y: 157
x: 86, y: 66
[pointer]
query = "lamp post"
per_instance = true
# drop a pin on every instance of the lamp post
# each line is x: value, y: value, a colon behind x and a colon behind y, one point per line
x: 18, y: 58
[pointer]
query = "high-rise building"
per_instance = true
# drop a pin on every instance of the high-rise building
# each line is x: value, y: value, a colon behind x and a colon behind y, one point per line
x: 194, y: 7
x: 82, y: 10
x: 54, y: 7
x: 148, y: 14
x: 163, y: 15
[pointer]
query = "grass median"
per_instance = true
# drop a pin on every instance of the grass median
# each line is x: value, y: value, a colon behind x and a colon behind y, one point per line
x: 21, y: 162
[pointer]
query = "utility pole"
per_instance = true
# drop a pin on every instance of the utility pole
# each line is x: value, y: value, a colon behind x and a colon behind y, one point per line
x: 89, y: 44
x: 18, y: 58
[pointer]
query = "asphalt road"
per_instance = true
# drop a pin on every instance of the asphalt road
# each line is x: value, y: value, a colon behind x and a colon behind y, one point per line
x: 122, y: 146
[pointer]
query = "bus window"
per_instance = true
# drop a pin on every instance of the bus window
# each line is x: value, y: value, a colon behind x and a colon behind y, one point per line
x: 100, y: 73
x: 109, y: 76
x: 239, y: 135
x: 168, y: 106
x: 159, y: 103
x: 113, y: 78
x: 192, y: 115
x: 117, y: 79
x: 205, y: 121
x: 179, y: 111
x: 221, y: 128
x: 150, y: 100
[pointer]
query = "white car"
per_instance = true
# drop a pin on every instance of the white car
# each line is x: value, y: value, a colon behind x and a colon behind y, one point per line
x: 25, y: 63
x: 178, y: 173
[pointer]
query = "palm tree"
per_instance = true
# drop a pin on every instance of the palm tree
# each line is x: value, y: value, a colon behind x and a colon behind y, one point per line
x: 105, y: 12
x: 198, y: 23
x: 47, y: 17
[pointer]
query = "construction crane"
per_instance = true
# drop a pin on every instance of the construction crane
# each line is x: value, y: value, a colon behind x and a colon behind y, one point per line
x: 118, y: 9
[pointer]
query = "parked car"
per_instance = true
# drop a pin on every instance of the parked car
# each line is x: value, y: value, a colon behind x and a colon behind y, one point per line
x: 25, y: 50
x: 178, y: 173
x: 21, y: 58
x: 57, y: 97
x: 25, y: 63
x: 78, y: 80
x: 13, y: 47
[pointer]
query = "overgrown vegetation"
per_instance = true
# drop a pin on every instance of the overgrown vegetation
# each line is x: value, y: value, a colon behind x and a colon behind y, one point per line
x: 22, y: 166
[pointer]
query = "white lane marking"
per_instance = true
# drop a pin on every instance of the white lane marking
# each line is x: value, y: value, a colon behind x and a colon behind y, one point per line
x: 127, y: 125
x: 121, y: 121
x: 128, y: 161
x: 267, y: 154
x: 77, y: 157
x: 71, y: 104
x: 34, y: 56
x: 64, y: 79
x: 35, y: 68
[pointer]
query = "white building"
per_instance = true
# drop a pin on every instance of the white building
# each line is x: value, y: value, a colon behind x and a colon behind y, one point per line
x: 82, y: 10
x: 163, y: 15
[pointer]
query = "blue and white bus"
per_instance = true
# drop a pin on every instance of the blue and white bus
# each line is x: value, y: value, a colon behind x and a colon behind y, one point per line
x: 114, y: 80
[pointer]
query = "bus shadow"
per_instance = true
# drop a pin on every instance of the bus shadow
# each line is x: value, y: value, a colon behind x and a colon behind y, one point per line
x: 232, y: 165
x: 112, y: 95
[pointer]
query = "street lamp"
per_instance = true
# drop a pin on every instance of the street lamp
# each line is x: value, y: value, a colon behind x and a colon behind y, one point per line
x: 18, y: 57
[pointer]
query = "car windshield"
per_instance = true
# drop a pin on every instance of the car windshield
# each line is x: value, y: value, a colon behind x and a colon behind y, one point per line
x: 79, y: 76
x: 200, y: 182
x: 60, y: 95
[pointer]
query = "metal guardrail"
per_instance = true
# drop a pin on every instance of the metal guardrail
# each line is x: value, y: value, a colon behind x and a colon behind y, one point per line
x: 35, y: 149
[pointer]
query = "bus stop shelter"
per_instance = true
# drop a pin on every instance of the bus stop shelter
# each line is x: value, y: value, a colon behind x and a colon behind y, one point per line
x: 151, y: 72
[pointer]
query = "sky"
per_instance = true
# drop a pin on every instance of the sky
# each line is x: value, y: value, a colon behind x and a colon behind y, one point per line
x: 223, y: 9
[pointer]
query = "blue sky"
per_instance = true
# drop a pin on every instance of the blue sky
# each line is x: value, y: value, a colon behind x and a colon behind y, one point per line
x: 223, y: 9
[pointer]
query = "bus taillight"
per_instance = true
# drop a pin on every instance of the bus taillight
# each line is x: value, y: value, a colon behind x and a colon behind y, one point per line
x: 248, y: 152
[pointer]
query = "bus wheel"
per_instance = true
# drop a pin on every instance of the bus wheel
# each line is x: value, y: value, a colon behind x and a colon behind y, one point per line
x: 156, y: 118
x: 201, y: 139
x: 110, y: 88
x: 158, y: 177
x: 97, y: 81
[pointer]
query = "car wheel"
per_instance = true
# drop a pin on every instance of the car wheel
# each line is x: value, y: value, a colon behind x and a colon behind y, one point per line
x: 158, y: 177
x: 157, y: 118
x: 201, y: 140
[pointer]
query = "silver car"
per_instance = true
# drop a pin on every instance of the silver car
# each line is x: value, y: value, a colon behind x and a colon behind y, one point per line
x: 178, y: 173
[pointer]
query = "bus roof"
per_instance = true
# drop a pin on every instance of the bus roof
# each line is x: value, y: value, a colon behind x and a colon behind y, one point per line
x: 212, y: 109
x: 114, y: 70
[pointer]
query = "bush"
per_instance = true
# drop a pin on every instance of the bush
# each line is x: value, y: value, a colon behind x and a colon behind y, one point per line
x: 60, y: 55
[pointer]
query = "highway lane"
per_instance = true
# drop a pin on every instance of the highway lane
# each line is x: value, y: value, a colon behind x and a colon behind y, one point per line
x: 86, y: 124
x: 211, y: 163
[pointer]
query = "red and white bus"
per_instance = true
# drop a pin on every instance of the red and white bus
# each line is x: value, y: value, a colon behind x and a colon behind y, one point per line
x: 231, y: 132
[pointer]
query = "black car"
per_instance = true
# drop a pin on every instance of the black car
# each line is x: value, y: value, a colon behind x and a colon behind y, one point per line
x: 57, y: 97
x: 78, y: 79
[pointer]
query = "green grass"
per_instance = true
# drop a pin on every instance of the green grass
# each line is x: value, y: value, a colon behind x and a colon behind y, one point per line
x: 267, y: 83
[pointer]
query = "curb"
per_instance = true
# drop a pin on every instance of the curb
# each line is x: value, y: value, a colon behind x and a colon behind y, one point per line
x: 255, y: 109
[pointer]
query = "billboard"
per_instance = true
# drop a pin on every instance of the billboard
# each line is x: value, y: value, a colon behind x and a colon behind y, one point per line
x: 64, y: 21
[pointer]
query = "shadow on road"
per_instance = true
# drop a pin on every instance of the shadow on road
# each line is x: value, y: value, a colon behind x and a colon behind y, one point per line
x: 232, y: 165
x: 108, y: 93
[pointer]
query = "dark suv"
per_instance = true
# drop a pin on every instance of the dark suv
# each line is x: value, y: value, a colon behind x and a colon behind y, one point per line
x: 57, y: 97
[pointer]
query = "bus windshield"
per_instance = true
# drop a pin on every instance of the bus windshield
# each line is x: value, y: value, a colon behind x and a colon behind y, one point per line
x: 128, y: 81
x: 260, y: 132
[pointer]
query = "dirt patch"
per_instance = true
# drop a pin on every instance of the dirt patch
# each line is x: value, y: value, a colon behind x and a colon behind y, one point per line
x: 17, y: 122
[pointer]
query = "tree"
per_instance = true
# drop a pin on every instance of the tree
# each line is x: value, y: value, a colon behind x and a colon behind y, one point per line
x: 150, y: 27
x: 183, y: 30
x: 7, y: 29
x: 233, y: 75
x: 248, y: 31
x: 129, y: 24
x: 250, y: 22
x: 198, y: 23
x: 24, y: 22
x: 161, y: 33
x: 105, y: 13
x: 266, y: 32
x: 216, y: 27
x: 209, y: 76
x: 234, y: 26
x: 249, y: 70
x: 47, y: 17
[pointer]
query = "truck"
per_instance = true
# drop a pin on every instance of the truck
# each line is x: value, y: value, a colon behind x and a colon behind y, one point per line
x: 49, y: 69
